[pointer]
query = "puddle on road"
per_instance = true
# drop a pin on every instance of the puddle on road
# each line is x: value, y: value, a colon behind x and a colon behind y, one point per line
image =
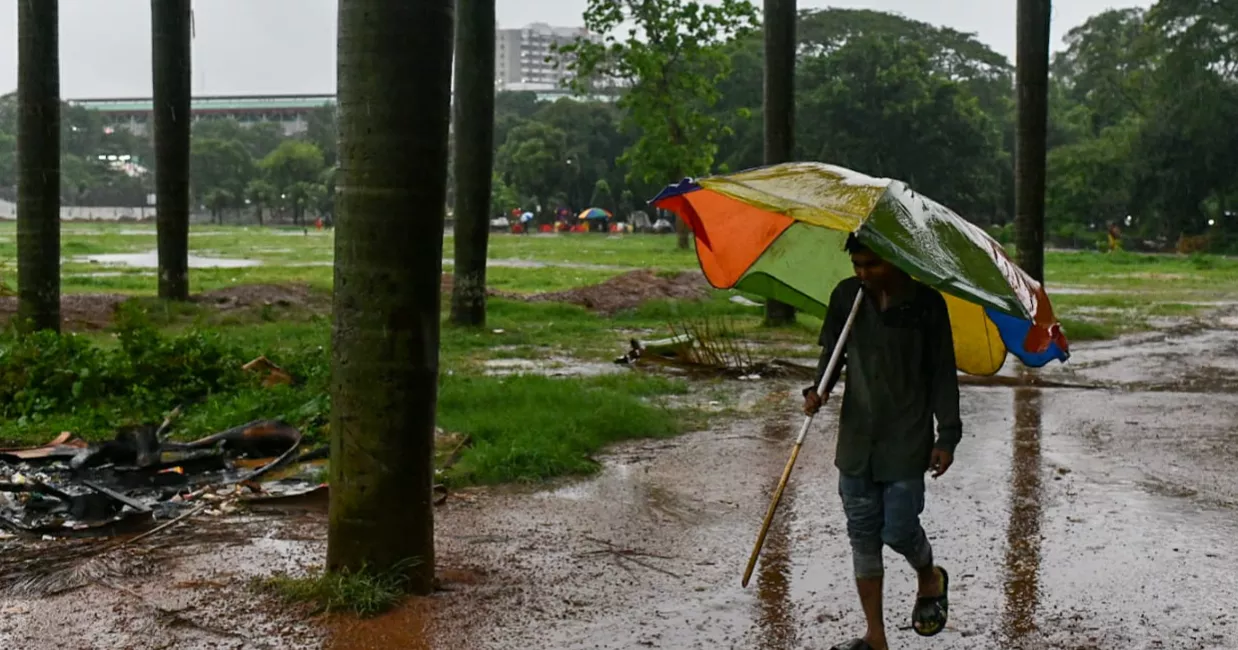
x: 515, y: 263
x: 775, y: 606
x: 552, y: 367
x: 112, y: 274
x: 150, y: 260
x: 409, y: 627
x: 1023, y: 530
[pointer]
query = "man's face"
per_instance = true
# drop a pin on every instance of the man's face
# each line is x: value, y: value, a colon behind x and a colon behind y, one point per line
x: 873, y: 271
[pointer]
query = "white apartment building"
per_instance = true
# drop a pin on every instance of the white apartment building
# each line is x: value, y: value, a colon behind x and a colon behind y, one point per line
x: 520, y: 56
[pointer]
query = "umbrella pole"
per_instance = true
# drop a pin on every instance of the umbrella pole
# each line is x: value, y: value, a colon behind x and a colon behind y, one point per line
x: 799, y: 441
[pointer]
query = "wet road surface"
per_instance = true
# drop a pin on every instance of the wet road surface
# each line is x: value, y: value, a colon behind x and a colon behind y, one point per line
x: 1074, y: 519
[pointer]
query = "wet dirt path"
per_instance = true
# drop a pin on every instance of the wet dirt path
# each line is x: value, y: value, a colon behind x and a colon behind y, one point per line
x: 1076, y: 519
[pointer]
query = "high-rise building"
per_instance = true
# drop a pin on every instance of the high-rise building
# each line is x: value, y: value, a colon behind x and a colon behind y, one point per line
x: 524, y: 58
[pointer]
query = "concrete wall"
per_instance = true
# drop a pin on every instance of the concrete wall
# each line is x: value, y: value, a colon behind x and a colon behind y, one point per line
x: 8, y: 210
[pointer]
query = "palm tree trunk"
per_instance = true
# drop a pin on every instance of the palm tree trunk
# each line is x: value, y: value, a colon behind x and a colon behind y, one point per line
x: 474, y: 157
x: 38, y: 153
x: 682, y: 232
x: 388, y: 267
x: 1032, y: 85
x: 779, y: 108
x: 170, y: 22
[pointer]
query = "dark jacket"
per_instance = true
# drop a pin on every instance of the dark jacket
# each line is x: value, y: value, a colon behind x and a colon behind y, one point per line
x: 900, y: 375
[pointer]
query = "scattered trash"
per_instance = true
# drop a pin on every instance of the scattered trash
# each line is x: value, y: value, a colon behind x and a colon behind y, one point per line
x: 272, y: 374
x: 498, y: 331
x: 740, y: 300
x: 121, y: 486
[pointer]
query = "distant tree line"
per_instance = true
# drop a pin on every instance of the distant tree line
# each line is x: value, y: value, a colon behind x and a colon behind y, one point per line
x: 1142, y: 104
x: 233, y: 166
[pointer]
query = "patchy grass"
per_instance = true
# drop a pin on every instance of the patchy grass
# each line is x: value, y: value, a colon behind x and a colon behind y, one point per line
x: 1139, y: 272
x: 528, y: 428
x: 1082, y: 330
x: 523, y: 428
x: 364, y: 593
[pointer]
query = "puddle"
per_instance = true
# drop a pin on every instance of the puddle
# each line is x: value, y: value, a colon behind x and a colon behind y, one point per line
x: 514, y: 263
x: 552, y: 367
x: 1080, y: 291
x: 100, y: 233
x: 111, y: 274
x: 298, y: 233
x: 150, y: 260
x: 1022, y: 565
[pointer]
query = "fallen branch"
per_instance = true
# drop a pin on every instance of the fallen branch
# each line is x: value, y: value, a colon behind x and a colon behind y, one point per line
x: 157, y: 529
x: 162, y: 433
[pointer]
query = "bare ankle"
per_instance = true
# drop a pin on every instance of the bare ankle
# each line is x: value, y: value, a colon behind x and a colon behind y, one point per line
x: 877, y: 640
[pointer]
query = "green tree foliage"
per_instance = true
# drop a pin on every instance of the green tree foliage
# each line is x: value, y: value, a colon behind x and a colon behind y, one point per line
x: 671, y: 62
x: 1141, y: 104
x: 261, y: 193
x: 295, y: 169
x: 322, y: 129
x: 535, y: 158
x: 219, y: 171
x: 878, y: 107
x: 503, y: 197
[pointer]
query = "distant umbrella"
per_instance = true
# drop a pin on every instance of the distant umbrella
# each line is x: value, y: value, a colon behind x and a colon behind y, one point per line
x: 595, y: 213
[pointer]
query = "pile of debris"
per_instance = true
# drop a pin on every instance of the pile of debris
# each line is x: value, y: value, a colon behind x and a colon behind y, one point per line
x: 709, y: 349
x: 71, y: 488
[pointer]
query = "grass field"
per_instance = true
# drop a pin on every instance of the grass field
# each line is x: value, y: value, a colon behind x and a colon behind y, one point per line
x: 161, y: 355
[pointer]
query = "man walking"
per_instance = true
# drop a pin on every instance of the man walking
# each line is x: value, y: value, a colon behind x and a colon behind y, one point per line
x: 900, y: 375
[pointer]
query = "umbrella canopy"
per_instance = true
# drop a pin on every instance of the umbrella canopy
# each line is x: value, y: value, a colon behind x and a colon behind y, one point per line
x: 595, y: 213
x: 778, y: 231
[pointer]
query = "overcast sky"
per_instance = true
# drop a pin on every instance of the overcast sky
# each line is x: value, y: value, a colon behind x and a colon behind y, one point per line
x: 252, y: 47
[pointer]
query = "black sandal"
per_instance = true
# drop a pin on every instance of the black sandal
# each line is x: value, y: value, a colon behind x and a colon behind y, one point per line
x: 854, y: 644
x: 930, y: 614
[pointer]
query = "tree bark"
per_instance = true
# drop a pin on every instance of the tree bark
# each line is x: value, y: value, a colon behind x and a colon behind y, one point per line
x: 390, y: 204
x: 170, y: 24
x: 38, y: 153
x: 1032, y: 86
x: 779, y: 108
x: 683, y: 233
x: 474, y: 157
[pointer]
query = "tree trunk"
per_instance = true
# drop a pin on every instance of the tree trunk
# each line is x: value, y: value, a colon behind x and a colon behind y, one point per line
x: 682, y: 231
x: 474, y: 157
x: 38, y: 160
x: 170, y: 47
x: 390, y: 203
x: 779, y: 108
x: 38, y: 154
x: 1032, y: 85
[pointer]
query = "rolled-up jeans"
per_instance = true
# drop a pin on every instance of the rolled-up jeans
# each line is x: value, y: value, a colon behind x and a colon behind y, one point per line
x: 884, y: 514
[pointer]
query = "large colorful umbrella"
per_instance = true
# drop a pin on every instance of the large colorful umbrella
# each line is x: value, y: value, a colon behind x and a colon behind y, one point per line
x: 594, y: 213
x: 778, y: 232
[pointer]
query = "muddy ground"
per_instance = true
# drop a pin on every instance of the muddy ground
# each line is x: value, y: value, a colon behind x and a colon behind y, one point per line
x: 95, y: 311
x: 1074, y: 519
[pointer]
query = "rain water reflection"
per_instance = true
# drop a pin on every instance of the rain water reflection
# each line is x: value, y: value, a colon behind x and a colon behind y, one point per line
x: 1023, y: 530
x: 776, y: 616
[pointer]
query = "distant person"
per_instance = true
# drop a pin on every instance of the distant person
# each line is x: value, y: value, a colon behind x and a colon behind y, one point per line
x: 900, y: 375
x: 1115, y: 237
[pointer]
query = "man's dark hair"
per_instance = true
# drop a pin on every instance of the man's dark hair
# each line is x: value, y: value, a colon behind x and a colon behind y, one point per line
x: 854, y: 245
